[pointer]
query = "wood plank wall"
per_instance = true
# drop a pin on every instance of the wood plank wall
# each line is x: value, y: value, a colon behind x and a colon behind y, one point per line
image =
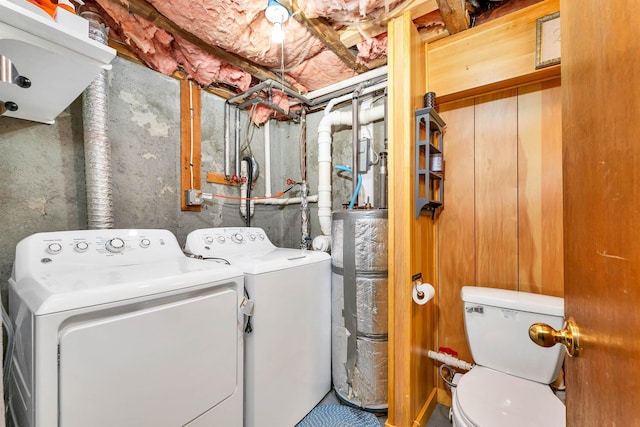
x: 502, y: 221
x: 489, y: 57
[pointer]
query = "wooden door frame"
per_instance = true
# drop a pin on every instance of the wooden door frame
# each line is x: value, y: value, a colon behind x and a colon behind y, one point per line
x: 412, y: 395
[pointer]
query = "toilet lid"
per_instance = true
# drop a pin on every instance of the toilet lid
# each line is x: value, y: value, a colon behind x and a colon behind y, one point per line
x: 491, y: 398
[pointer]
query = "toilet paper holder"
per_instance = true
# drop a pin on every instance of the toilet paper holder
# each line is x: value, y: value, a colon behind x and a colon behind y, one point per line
x: 421, y: 292
x: 415, y: 279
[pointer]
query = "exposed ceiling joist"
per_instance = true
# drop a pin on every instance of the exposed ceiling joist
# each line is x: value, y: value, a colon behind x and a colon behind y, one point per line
x: 241, y: 28
x: 454, y: 14
x: 420, y: 8
x: 433, y: 34
x: 352, y: 35
x: 125, y: 52
x: 324, y: 32
x: 151, y: 14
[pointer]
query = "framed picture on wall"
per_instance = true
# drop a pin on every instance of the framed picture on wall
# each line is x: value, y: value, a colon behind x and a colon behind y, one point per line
x: 548, y: 40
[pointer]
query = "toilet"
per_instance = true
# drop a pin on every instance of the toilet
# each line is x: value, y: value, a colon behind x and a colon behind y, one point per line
x: 509, y: 384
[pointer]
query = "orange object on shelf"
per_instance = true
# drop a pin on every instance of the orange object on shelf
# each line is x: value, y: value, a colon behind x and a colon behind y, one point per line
x: 50, y: 7
x: 46, y: 5
x: 66, y: 4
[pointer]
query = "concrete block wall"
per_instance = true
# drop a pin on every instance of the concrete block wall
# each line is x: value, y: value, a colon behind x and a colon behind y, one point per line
x: 42, y: 166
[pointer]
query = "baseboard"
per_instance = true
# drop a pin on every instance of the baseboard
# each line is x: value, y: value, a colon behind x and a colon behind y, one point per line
x: 425, y: 412
x: 427, y: 409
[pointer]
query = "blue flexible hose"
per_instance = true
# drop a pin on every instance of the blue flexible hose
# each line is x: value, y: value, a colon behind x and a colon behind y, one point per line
x: 358, y: 185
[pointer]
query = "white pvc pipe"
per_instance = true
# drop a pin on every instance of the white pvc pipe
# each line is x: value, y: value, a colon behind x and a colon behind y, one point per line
x: 267, y: 159
x: 324, y: 164
x: 347, y: 97
x: 285, y: 201
x: 377, y: 72
x: 281, y: 201
x: 237, y: 143
x: 449, y: 360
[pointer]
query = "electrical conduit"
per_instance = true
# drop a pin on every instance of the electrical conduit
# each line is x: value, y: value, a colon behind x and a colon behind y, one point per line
x: 245, y: 192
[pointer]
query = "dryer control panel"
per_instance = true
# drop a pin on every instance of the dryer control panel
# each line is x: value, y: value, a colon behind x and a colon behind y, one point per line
x: 228, y: 241
x: 99, y: 247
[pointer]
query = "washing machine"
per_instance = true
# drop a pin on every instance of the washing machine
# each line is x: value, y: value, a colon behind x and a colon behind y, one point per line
x: 288, y: 337
x: 120, y: 328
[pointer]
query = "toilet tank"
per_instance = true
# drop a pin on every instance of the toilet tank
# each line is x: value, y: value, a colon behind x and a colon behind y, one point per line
x: 497, y: 325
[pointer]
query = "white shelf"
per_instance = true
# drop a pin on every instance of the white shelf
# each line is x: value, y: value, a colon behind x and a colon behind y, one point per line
x: 59, y: 61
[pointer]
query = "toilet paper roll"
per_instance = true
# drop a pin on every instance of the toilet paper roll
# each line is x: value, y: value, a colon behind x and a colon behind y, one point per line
x: 422, y: 293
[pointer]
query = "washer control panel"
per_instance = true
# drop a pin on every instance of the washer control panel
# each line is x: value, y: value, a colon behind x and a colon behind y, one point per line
x: 227, y: 240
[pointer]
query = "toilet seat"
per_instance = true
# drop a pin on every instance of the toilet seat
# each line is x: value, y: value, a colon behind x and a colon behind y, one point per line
x: 488, y: 398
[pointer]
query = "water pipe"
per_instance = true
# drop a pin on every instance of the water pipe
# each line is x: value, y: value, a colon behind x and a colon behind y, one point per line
x: 448, y: 359
x: 355, y: 138
x: 347, y: 97
x: 345, y: 86
x: 325, y: 126
x: 285, y: 201
x: 354, y: 197
x: 267, y: 158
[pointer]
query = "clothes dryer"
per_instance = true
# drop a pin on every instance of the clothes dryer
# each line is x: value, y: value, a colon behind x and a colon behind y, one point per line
x: 119, y: 328
x: 288, y: 339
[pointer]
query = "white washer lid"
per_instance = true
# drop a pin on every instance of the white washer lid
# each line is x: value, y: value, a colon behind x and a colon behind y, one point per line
x: 492, y: 398
x: 260, y: 262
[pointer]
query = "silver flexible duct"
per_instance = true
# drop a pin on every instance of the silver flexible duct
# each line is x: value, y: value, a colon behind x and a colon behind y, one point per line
x: 97, y: 148
x: 305, y: 241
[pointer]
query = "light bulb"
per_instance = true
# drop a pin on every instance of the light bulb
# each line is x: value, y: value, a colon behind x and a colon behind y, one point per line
x: 277, y: 34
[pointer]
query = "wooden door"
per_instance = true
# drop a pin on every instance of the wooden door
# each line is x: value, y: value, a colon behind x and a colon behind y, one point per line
x: 601, y: 168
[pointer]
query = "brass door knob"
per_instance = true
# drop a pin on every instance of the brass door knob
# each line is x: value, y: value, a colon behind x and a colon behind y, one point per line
x: 545, y: 336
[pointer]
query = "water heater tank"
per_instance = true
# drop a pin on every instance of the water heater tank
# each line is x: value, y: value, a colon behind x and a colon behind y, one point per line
x: 359, y: 307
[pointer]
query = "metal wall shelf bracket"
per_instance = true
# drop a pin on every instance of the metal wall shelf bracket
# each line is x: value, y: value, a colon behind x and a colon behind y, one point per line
x: 429, y: 162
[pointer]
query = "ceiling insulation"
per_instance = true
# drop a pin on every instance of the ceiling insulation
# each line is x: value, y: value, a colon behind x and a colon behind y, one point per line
x: 227, y: 43
x: 240, y: 27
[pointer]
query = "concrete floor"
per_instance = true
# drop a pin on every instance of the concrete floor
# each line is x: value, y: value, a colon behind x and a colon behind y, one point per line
x: 439, y: 418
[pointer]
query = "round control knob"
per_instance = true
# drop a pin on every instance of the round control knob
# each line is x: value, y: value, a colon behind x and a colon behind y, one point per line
x: 115, y: 245
x: 145, y: 243
x: 237, y: 237
x: 54, y: 248
x: 81, y: 247
x: 221, y: 239
x: 252, y: 237
x: 208, y: 240
x: 261, y: 236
